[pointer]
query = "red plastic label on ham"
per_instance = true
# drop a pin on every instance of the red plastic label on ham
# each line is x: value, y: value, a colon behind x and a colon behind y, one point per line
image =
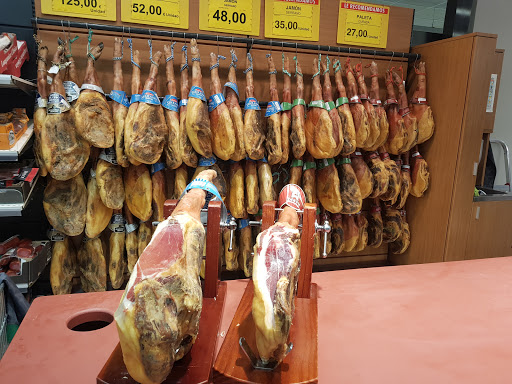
x: 293, y: 196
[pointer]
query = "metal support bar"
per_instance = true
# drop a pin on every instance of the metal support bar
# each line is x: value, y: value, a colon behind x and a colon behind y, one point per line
x: 227, y: 39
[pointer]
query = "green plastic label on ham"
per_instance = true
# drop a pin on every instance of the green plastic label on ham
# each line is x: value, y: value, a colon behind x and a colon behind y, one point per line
x: 297, y: 163
x: 309, y: 165
x: 325, y: 163
x: 286, y: 106
x: 341, y: 100
x: 317, y: 104
x: 299, y: 102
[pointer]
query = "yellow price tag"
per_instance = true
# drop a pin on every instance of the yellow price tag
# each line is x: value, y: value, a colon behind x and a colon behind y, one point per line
x: 165, y: 13
x: 363, y: 24
x: 88, y: 9
x: 231, y: 16
x: 292, y: 19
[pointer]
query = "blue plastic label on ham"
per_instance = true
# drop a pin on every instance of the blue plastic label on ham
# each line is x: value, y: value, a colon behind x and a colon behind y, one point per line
x: 252, y: 103
x: 205, y: 185
x: 57, y: 104
x: 242, y: 223
x: 207, y: 161
x: 171, y: 103
x: 183, y: 102
x: 273, y: 107
x: 233, y: 86
x: 197, y: 93
x: 215, y: 100
x: 157, y: 167
x: 120, y: 97
x: 150, y: 97
x: 135, y: 98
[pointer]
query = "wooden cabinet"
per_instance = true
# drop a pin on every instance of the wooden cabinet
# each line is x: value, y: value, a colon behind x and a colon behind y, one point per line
x: 490, y: 230
x: 459, y: 73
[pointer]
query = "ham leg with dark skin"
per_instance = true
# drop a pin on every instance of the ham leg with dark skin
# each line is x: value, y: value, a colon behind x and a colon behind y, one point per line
x: 359, y: 113
x: 254, y: 127
x: 92, y: 114
x: 275, y: 272
x: 223, y: 132
x: 373, y: 120
x: 119, y: 110
x: 397, y: 138
x: 411, y: 124
x: 379, y: 109
x: 232, y: 102
x: 363, y: 174
x: 319, y: 130
x: 64, y: 152
x: 420, y: 174
x: 189, y: 155
x: 173, y: 149
x: 149, y: 127
x: 40, y: 111
x: 347, y: 121
x: 337, y: 130
x: 406, y: 185
x: 197, y: 120
x: 273, y: 143
x: 158, y: 317
x: 286, y: 115
x: 419, y: 107
x: 134, y: 105
x: 298, y: 135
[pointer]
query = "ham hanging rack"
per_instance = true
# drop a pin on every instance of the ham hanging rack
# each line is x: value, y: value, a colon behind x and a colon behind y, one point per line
x: 228, y: 39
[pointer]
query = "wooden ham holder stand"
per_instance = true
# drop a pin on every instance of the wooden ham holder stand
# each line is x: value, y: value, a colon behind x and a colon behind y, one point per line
x: 196, y: 366
x: 300, y: 365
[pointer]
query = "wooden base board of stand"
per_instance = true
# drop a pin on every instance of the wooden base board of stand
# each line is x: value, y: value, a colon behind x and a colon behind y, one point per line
x: 196, y: 366
x: 299, y: 366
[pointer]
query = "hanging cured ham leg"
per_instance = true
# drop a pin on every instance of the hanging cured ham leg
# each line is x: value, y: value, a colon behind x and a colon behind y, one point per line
x: 406, y: 185
x: 363, y: 174
x: 359, y: 113
x: 189, y: 155
x: 223, y: 133
x: 347, y: 121
x: 298, y: 135
x: 254, y: 128
x: 232, y: 102
x: 134, y: 105
x: 149, y: 129
x: 420, y: 174
x: 158, y: 317
x: 397, y: 139
x: 379, y: 109
x: 273, y: 143
x: 419, y: 106
x: 120, y: 106
x: 349, y: 187
x: 197, y: 120
x: 411, y: 124
x: 40, y: 108
x: 287, y: 111
x: 319, y: 130
x: 92, y: 113
x: 173, y: 147
x: 64, y: 152
x: 63, y: 266
x: 337, y: 130
x: 275, y: 272
x: 373, y: 120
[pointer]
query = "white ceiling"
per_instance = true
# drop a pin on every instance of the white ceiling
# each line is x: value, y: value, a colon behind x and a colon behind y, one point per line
x: 429, y: 13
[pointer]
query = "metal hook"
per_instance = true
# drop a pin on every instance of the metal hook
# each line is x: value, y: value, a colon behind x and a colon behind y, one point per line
x: 374, y: 54
x: 218, y: 48
x: 232, y: 41
x: 296, y: 52
x: 360, y: 55
x: 389, y: 64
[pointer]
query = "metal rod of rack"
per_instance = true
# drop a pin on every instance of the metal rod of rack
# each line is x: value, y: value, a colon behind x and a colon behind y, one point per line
x: 227, y: 39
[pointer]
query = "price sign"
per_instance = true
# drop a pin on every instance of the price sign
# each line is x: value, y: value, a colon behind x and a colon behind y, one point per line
x: 231, y: 16
x: 165, y: 13
x: 88, y: 9
x: 363, y: 24
x: 292, y: 19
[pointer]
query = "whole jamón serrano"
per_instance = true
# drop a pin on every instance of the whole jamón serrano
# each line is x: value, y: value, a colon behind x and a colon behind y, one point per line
x: 328, y: 186
x: 411, y: 124
x: 397, y: 138
x: 363, y: 174
x: 419, y: 106
x: 232, y: 102
x: 287, y: 113
x: 373, y: 120
x: 223, y: 132
x: 319, y: 130
x: 252, y: 190
x: 380, y: 174
x: 405, y: 187
x: 379, y: 109
x: 349, y: 186
x: 119, y: 110
x: 359, y: 113
x: 40, y: 109
x: 129, y: 121
x: 297, y: 134
x: 273, y: 144
x: 347, y: 121
x: 173, y: 148
x: 254, y: 127
x: 189, y: 155
x: 420, y: 174
x: 337, y: 130
x: 197, y: 120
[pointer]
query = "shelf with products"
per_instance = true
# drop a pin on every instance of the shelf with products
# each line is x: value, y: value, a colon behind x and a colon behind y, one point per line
x: 20, y: 147
x: 14, y: 82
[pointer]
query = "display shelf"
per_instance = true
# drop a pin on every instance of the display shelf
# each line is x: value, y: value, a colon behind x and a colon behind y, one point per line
x: 14, y: 201
x: 10, y: 81
x: 20, y: 146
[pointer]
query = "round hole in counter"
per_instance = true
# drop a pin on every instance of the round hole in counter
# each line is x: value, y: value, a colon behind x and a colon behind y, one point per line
x: 90, y: 321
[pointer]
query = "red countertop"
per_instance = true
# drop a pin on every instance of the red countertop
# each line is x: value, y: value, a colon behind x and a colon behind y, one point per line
x: 429, y: 323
